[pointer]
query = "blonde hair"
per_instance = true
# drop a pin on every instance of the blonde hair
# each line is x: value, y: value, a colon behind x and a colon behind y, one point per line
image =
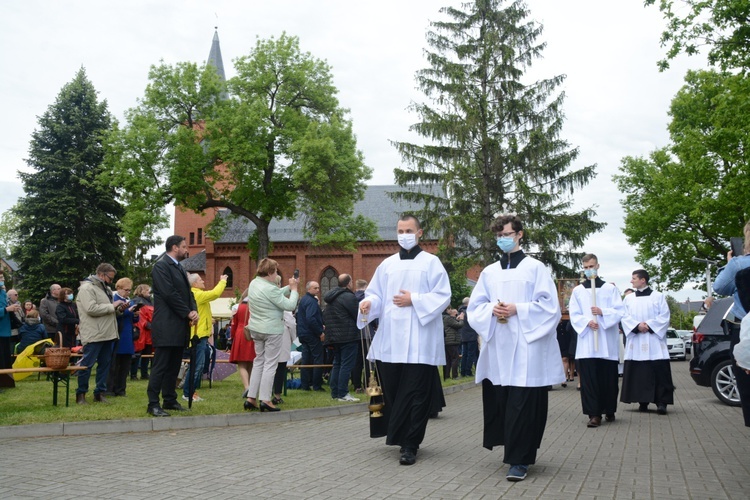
x: 746, y: 230
x: 124, y: 283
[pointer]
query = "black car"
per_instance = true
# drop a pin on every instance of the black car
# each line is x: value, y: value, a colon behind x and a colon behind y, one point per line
x: 711, y: 365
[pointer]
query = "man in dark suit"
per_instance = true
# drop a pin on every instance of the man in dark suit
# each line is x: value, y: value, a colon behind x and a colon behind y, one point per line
x: 174, y: 313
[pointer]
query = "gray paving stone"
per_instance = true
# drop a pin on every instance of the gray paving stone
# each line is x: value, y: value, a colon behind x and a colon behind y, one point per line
x: 699, y: 450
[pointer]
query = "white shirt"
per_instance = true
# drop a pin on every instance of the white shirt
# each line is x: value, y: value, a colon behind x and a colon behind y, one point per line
x: 609, y: 301
x: 522, y: 352
x: 652, y: 309
x: 412, y: 334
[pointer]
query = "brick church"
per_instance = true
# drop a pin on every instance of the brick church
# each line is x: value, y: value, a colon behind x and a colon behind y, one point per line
x: 230, y: 254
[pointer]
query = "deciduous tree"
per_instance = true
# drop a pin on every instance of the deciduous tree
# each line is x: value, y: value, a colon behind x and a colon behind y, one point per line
x: 722, y: 26
x: 686, y: 200
x: 271, y: 143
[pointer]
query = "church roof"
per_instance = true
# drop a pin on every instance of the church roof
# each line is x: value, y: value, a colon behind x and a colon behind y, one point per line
x: 195, y: 263
x: 376, y: 205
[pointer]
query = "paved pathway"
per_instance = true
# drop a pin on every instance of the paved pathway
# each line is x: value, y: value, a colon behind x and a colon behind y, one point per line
x: 700, y: 450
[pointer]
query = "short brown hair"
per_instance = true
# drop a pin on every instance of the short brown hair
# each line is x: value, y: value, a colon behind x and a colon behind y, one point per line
x: 590, y: 256
x: 105, y: 268
x: 500, y: 222
x: 63, y: 295
x: 267, y: 267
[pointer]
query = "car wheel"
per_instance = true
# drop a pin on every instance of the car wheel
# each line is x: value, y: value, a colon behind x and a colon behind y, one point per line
x: 724, y: 384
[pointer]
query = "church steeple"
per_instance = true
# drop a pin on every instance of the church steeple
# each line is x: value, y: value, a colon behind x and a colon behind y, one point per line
x: 214, y: 57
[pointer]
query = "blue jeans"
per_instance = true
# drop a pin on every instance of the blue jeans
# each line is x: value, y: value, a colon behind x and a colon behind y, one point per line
x: 101, y: 354
x: 312, y: 354
x: 201, y: 351
x: 344, y: 356
x: 468, y: 357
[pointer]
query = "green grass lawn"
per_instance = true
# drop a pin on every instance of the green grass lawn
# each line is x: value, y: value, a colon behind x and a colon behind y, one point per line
x: 30, y: 402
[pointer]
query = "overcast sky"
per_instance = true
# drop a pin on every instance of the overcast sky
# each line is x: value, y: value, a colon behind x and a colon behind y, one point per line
x: 616, y: 103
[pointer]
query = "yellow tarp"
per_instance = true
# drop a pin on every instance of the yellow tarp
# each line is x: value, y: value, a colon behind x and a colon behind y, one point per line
x: 27, y: 359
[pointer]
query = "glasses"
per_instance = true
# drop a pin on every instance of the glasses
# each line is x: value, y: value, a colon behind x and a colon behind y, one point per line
x: 507, y: 235
x: 126, y: 289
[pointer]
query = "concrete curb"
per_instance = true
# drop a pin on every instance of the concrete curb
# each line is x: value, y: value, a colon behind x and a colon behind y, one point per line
x: 92, y: 427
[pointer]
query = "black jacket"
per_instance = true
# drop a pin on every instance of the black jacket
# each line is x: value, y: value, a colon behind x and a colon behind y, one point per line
x: 340, y: 316
x: 173, y: 301
x: 468, y: 334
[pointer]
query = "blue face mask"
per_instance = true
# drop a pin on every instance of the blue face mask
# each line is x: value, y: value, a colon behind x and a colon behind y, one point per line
x: 2, y: 283
x: 590, y: 273
x: 506, y: 243
x: 70, y: 296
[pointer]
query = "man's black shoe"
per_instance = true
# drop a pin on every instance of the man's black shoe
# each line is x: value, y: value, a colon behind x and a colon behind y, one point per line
x: 643, y: 407
x: 157, y: 412
x: 175, y: 406
x: 408, y: 457
x: 661, y: 409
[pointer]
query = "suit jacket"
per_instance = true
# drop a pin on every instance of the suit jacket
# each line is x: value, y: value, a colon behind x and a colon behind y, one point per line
x: 173, y: 301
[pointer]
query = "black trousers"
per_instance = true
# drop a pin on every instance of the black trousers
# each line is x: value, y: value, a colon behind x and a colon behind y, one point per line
x: 514, y: 417
x: 163, y: 379
x: 118, y: 373
x: 599, y: 386
x: 408, y: 391
x: 742, y: 378
x: 647, y: 382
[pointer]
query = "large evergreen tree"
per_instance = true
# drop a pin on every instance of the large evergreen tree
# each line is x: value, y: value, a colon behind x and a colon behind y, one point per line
x: 69, y: 219
x: 494, y: 139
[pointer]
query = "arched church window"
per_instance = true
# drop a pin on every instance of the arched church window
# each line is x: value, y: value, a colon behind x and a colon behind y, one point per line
x: 228, y: 272
x: 328, y: 281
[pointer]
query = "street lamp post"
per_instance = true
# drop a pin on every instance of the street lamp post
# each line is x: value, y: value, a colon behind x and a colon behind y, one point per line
x: 708, y: 263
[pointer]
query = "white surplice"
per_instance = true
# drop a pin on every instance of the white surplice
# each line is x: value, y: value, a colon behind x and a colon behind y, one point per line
x: 652, y: 309
x: 609, y: 301
x: 522, y: 352
x: 411, y: 334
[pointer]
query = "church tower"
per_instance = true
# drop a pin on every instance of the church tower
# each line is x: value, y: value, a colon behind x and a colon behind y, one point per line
x: 186, y: 222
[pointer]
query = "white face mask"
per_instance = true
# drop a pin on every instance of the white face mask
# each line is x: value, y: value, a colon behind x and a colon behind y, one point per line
x: 407, y: 241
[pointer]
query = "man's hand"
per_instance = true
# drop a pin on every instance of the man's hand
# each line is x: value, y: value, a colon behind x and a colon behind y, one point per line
x: 119, y: 304
x: 643, y: 327
x: 322, y: 337
x: 403, y: 299
x: 364, y: 307
x: 593, y: 325
x: 596, y: 311
x: 193, y: 317
x: 504, y: 309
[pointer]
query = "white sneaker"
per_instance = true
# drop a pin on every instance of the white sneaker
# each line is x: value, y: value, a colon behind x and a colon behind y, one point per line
x: 348, y: 398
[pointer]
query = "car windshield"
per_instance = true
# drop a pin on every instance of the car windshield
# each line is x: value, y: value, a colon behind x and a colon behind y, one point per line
x: 672, y: 334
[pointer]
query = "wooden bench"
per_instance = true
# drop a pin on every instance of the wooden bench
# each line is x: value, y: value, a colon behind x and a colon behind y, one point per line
x: 62, y: 375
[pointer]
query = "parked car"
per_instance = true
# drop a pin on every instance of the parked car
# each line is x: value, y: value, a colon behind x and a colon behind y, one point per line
x: 675, y: 345
x: 711, y: 365
x: 687, y: 337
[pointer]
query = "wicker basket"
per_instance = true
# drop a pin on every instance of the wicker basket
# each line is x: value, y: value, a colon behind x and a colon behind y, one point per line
x: 57, y: 358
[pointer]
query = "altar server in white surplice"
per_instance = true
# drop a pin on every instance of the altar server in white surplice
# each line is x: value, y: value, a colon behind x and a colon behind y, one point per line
x: 598, y: 347
x: 408, y: 293
x: 515, y: 310
x: 647, y: 377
